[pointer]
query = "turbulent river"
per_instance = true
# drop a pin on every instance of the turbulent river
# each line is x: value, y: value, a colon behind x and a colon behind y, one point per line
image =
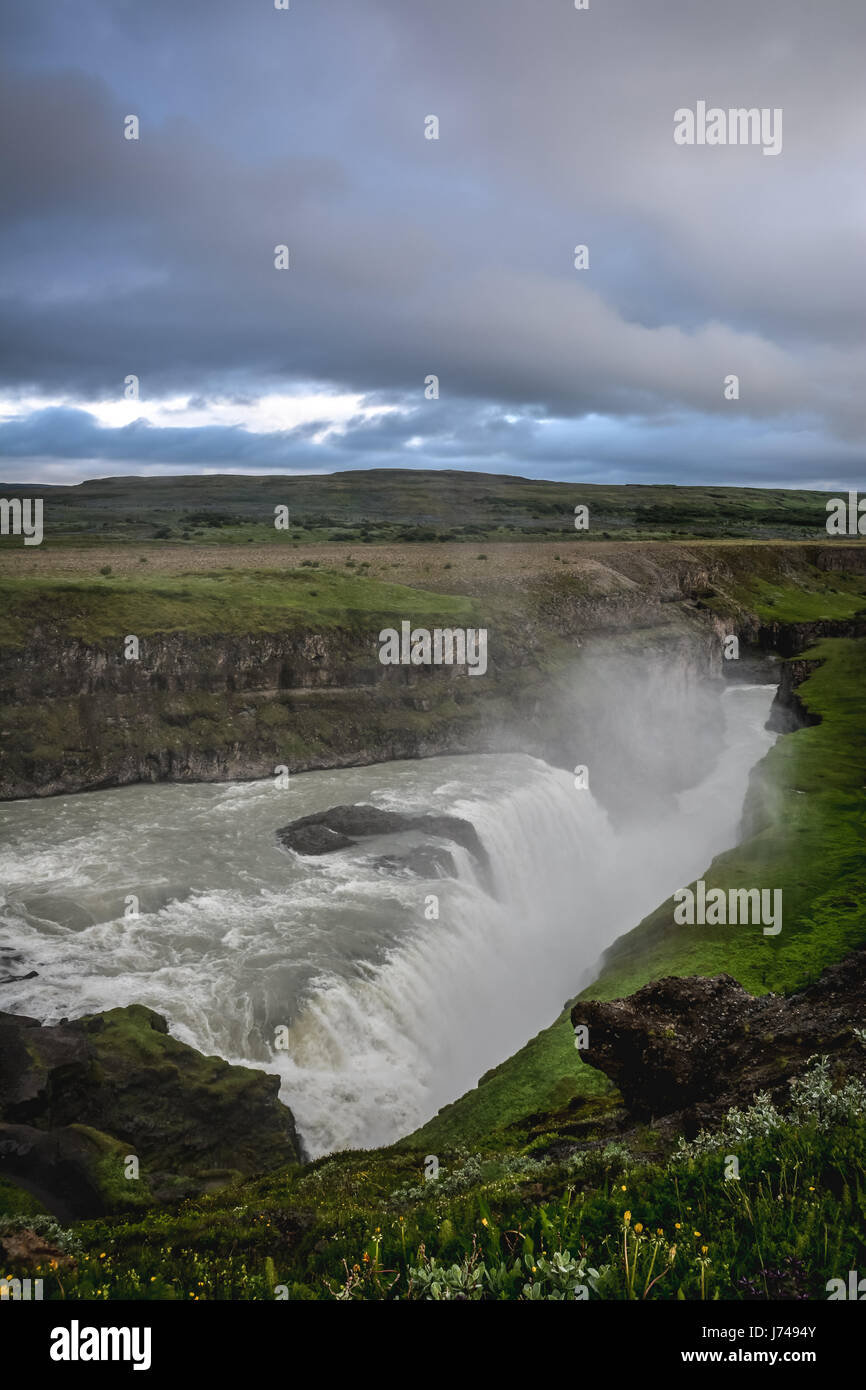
x: 389, y: 1015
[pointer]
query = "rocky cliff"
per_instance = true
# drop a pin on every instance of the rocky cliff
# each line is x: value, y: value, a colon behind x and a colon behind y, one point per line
x: 225, y: 705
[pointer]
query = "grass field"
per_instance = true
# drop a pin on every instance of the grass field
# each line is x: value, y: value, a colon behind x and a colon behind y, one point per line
x: 220, y: 601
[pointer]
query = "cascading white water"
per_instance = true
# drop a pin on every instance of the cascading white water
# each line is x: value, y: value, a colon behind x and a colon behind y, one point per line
x: 457, y: 995
x: 390, y: 1014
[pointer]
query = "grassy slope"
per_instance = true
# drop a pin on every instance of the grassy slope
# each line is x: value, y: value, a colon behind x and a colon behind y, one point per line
x: 223, y: 601
x: 811, y: 847
x: 355, y: 1225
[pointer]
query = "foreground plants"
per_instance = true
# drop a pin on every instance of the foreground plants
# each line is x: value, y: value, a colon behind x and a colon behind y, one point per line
x: 539, y: 1219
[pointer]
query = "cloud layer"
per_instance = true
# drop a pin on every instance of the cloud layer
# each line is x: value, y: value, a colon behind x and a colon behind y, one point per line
x: 452, y: 256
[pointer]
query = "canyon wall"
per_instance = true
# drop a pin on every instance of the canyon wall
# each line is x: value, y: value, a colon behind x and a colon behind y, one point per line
x: 199, y: 707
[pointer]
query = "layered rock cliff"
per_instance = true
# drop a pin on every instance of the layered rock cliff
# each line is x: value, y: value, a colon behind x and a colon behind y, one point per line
x: 210, y: 705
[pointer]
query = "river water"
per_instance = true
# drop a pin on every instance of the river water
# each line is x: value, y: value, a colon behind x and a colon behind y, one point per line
x: 391, y: 1013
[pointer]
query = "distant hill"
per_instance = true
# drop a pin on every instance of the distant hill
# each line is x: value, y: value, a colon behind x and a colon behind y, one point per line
x: 407, y: 505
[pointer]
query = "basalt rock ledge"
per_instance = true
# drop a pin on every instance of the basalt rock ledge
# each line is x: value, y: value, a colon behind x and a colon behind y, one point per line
x: 698, y: 1046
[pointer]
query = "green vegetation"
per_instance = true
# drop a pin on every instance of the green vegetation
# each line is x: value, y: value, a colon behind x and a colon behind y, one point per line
x: 810, y: 595
x: 527, y: 1214
x: 403, y: 505
x: 14, y: 1201
x: 223, y: 601
x: 523, y: 1221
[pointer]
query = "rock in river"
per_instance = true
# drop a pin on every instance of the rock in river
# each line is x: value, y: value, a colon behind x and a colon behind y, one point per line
x: 342, y: 826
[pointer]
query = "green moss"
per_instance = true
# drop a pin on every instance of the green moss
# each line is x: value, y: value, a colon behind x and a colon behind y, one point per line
x: 108, y: 1167
x: 16, y: 1201
x: 130, y: 1089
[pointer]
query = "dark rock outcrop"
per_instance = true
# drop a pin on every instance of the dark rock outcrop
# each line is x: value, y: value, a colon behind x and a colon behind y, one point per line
x: 77, y: 1098
x: 342, y: 826
x: 60, y: 1167
x: 788, y: 712
x: 705, y: 1044
x: 789, y: 639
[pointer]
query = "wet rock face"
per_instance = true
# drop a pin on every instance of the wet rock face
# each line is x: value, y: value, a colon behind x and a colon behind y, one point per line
x: 343, y: 826
x: 788, y: 712
x: 79, y: 1097
x: 706, y: 1044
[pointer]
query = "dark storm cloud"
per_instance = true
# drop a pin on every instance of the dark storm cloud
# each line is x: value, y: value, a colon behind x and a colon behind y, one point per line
x: 454, y: 257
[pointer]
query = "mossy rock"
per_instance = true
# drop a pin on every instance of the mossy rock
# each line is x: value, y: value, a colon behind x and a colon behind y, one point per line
x: 138, y: 1114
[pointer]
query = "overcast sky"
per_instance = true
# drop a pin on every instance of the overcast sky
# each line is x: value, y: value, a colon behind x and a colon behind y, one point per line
x: 411, y: 257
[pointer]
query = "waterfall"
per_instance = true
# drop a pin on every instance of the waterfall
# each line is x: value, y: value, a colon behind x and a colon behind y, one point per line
x: 389, y: 1011
x: 372, y: 1059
